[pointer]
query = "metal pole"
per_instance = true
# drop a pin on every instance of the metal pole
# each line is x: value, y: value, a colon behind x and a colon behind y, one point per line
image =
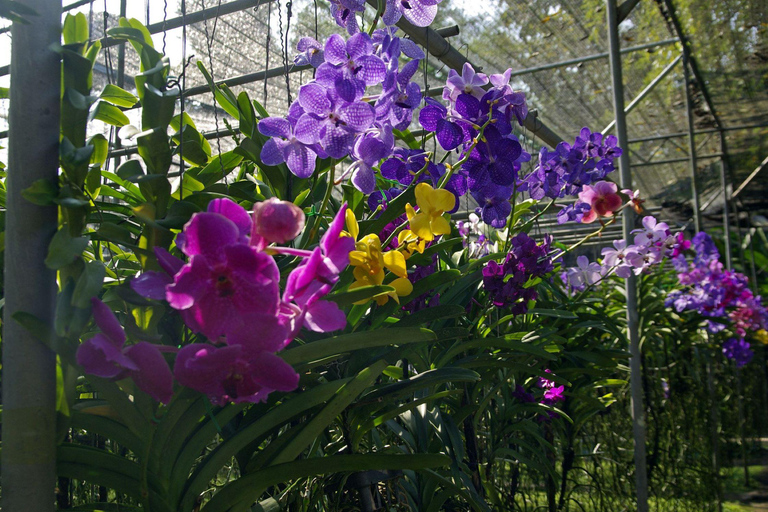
x: 691, y: 145
x: 726, y: 214
x: 750, y: 177
x: 644, y: 92
x: 29, y: 367
x: 699, y: 132
x: 596, y: 56
x: 675, y: 160
x: 636, y: 389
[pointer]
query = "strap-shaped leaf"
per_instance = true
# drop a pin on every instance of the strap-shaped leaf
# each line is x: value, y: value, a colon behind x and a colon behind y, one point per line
x: 360, y: 340
x: 248, y: 488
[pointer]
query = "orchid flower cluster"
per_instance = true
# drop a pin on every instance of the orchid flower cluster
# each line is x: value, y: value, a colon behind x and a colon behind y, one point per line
x: 420, y: 13
x: 476, y: 240
x: 652, y: 243
x: 511, y: 284
x: 567, y: 169
x: 229, y: 291
x: 331, y: 119
x: 478, y: 123
x: 552, y: 395
x: 714, y: 292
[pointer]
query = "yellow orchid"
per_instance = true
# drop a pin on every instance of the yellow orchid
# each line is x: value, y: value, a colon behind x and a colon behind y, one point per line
x: 762, y: 336
x: 369, y: 262
x: 429, y: 221
x: 409, y: 243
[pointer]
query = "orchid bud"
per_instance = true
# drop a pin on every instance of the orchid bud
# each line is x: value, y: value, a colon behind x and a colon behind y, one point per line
x: 277, y: 221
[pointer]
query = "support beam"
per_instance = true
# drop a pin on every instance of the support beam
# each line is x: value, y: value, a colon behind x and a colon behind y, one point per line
x: 699, y: 132
x: 628, y: 223
x: 750, y: 178
x: 596, y: 56
x: 691, y: 146
x: 29, y: 366
x: 644, y: 92
x: 676, y: 160
x: 726, y: 216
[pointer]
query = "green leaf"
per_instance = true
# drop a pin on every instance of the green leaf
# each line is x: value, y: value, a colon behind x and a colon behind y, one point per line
x: 248, y: 488
x: 89, y: 284
x: 75, y: 29
x: 100, y: 149
x: 424, y: 380
x: 359, y: 340
x: 556, y: 313
x: 358, y: 294
x: 41, y: 192
x: 118, y: 97
x: 320, y: 421
x: 93, y: 181
x: 109, y: 114
x: 64, y: 249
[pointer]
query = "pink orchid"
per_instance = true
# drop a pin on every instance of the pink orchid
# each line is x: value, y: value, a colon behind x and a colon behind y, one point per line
x: 602, y: 199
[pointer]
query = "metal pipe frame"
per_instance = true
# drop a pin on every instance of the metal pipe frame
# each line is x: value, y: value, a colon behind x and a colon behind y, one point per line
x: 676, y: 160
x: 628, y: 221
x: 29, y: 366
x: 691, y: 146
x: 750, y: 177
x: 698, y: 132
x: 645, y: 91
x: 596, y: 56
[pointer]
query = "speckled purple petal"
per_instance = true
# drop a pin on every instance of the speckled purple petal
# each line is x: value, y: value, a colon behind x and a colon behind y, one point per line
x: 234, y: 212
x: 308, y: 129
x: 314, y: 99
x: 300, y: 160
x: 208, y: 233
x: 335, y: 50
x: 449, y: 135
x: 337, y: 141
x: 359, y: 45
x: 273, y: 152
x: 358, y: 116
x: 364, y: 179
x: 419, y: 14
x: 275, y: 127
x: 372, y: 69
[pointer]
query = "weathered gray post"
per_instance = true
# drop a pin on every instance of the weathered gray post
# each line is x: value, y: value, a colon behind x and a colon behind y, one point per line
x: 636, y: 389
x: 29, y: 367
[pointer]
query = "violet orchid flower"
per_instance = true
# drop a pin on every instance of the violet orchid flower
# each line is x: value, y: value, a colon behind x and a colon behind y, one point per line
x: 331, y: 121
x: 350, y: 66
x: 311, y: 53
x: 420, y: 13
x: 469, y: 82
x: 285, y: 147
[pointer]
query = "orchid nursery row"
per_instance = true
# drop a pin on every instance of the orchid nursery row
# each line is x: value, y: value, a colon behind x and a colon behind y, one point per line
x: 337, y: 300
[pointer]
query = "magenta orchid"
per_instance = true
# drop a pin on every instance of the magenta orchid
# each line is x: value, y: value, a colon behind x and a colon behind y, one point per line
x: 105, y: 355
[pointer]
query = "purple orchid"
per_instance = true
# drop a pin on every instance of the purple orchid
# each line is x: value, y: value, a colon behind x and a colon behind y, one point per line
x: 350, y: 66
x: 469, y: 82
x: 343, y: 12
x: 311, y: 53
x: 420, y: 13
x: 331, y: 121
x: 370, y: 148
x: 106, y: 356
x: 285, y: 147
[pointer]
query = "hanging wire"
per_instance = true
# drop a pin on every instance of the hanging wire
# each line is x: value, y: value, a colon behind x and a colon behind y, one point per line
x: 165, y: 20
x: 183, y: 78
x: 284, y: 44
x: 209, y: 38
x: 108, y: 53
x: 269, y: 41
